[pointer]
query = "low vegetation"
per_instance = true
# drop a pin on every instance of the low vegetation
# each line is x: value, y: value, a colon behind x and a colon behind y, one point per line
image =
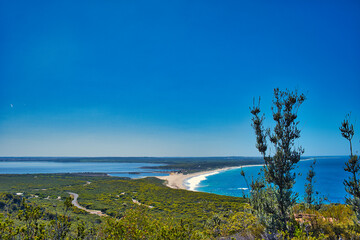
x: 39, y: 207
x: 134, y: 209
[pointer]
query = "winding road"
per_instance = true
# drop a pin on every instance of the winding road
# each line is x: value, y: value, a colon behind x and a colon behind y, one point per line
x: 76, y: 204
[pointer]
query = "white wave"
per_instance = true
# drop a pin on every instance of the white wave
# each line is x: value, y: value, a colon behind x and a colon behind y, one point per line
x: 242, y: 188
x: 194, y: 182
x: 308, y: 159
x: 254, y: 165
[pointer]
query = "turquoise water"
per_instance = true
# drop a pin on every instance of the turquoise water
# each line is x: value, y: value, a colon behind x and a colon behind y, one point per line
x: 113, y: 168
x: 329, y: 179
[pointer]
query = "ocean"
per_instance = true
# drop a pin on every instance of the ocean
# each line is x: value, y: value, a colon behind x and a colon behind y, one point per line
x: 329, y: 178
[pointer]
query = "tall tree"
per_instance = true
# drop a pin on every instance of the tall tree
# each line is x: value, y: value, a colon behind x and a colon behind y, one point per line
x: 309, y: 186
x: 352, y: 184
x: 312, y: 198
x: 278, y: 169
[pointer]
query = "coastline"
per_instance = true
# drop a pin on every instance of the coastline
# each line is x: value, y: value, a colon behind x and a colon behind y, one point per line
x: 179, y: 180
x: 192, y: 180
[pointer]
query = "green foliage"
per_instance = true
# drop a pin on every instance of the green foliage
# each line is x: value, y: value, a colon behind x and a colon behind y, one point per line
x: 60, y: 226
x: 278, y: 169
x: 30, y: 221
x: 7, y: 229
x: 179, y: 214
x: 235, y: 224
x: 225, y: 217
x: 312, y: 198
x: 309, y: 186
x: 137, y: 223
x: 242, y: 224
x: 114, y: 196
x: 262, y: 200
x: 352, y: 184
x: 331, y: 222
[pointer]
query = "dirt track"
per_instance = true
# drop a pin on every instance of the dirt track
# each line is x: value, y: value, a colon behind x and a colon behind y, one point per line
x: 76, y: 204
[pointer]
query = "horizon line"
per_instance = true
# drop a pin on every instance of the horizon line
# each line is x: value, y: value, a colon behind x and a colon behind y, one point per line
x: 158, y: 156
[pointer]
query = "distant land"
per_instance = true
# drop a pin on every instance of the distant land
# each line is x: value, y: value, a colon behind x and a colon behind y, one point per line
x: 183, y: 164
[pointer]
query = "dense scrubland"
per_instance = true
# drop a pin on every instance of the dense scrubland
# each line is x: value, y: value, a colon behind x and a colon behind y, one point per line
x: 136, y: 209
x: 38, y: 207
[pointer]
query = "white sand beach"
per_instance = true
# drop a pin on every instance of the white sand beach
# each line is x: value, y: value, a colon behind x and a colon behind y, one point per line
x: 191, y: 181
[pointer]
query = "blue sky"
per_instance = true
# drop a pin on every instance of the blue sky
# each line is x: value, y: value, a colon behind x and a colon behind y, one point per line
x: 172, y: 78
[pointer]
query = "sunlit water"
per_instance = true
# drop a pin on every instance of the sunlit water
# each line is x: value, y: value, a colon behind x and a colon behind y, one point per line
x: 329, y: 179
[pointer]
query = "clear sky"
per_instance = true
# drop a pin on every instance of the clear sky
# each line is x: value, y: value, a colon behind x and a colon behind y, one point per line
x: 172, y: 78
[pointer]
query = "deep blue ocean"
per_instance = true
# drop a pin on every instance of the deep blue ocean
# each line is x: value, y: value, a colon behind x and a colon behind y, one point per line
x: 329, y: 177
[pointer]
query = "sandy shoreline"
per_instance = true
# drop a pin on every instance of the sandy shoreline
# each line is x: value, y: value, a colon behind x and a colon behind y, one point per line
x: 178, y: 180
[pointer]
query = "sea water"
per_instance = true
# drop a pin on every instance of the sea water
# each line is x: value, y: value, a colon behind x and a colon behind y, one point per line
x: 329, y: 178
x: 112, y: 168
